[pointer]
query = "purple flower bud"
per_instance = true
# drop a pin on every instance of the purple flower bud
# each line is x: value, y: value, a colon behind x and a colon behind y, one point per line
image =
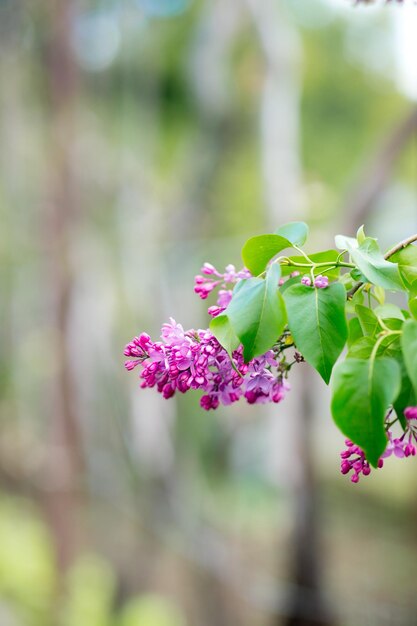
x: 321, y: 282
x: 306, y: 280
x: 345, y: 467
x: 130, y: 365
x: 411, y: 412
x: 208, y: 269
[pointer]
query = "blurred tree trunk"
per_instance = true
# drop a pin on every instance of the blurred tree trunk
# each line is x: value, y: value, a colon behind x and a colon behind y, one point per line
x: 376, y: 175
x: 208, y: 75
x: 65, y: 456
x: 280, y: 152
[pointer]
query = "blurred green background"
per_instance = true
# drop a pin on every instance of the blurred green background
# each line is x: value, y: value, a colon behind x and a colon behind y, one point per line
x: 140, y: 138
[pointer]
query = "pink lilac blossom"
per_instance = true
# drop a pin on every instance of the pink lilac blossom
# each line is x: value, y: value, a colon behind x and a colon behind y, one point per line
x: 353, y: 458
x: 195, y: 360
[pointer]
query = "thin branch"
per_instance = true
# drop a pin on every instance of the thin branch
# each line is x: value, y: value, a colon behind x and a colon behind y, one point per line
x: 399, y: 246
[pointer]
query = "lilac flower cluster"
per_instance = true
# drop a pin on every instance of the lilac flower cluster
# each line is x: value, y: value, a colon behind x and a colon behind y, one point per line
x: 353, y: 458
x: 192, y: 359
x: 210, y: 279
x: 321, y: 282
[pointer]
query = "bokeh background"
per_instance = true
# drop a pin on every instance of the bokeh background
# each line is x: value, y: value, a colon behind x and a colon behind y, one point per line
x: 140, y: 138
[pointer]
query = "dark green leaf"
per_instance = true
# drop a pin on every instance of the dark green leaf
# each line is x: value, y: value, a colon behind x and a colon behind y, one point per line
x: 258, y: 251
x: 257, y: 313
x: 316, y: 318
x: 362, y: 393
x: 296, y: 232
x: 406, y: 397
x: 409, y: 349
x: 358, y: 276
x: 370, y: 261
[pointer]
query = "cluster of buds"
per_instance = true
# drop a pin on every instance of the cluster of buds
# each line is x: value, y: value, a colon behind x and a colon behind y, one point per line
x: 353, y: 459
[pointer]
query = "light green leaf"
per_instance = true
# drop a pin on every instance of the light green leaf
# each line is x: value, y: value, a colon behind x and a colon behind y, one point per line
x: 258, y: 251
x: 344, y: 243
x: 316, y: 318
x: 360, y: 235
x: 387, y: 311
x: 370, y: 261
x: 362, y: 392
x: 296, y: 232
x: 368, y: 320
x: 257, y: 313
x: 407, y: 263
x: 409, y: 349
x: 412, y: 299
x: 355, y: 331
x: 361, y: 348
x: 222, y: 329
x: 379, y: 293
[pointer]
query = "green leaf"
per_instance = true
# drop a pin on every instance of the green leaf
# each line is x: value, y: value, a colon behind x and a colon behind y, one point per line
x: 317, y: 257
x: 257, y: 313
x: 368, y: 320
x: 412, y: 299
x: 344, y: 243
x: 355, y: 331
x: 362, y: 393
x: 222, y: 329
x: 377, y: 270
x: 358, y: 298
x: 258, y: 251
x: 296, y: 232
x: 360, y: 235
x: 316, y: 318
x: 412, y: 303
x: 407, y: 263
x: 388, y: 311
x: 379, y: 293
x: 362, y: 348
x: 409, y: 349
x: 289, y: 282
x: 406, y: 397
